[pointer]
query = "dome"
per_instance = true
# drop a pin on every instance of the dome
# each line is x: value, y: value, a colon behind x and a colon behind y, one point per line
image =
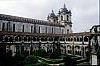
x: 52, y: 14
x: 64, y: 9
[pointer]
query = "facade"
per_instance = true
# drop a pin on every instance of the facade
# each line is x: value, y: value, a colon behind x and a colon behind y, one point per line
x: 94, y: 45
x: 20, y: 34
x: 60, y: 24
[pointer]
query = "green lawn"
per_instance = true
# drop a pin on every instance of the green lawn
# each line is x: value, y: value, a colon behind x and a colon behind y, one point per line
x: 60, y: 61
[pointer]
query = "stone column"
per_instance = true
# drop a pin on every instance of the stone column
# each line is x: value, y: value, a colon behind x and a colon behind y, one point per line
x: 39, y: 42
x: 82, y: 48
x: 73, y: 48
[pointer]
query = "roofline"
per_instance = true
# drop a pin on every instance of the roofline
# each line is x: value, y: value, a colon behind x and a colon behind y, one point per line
x: 44, y: 34
x: 27, y: 20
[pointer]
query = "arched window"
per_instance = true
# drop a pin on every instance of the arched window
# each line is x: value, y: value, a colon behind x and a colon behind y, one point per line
x: 86, y: 39
x: 20, y: 38
x: 74, y: 39
x: 16, y: 38
x: 67, y: 31
x: 62, y: 31
x: 67, y: 18
x: 23, y: 29
x: 7, y: 27
x: 25, y: 38
x: 46, y: 30
x: 34, y: 38
x: 61, y: 18
x: 31, y: 29
x: 39, y: 29
x: 10, y: 39
x: 3, y: 26
x: 34, y: 28
x: 54, y: 20
x: 68, y: 39
x: 13, y: 27
x: 6, y: 39
x: 77, y: 39
x: 29, y: 39
x: 52, y: 30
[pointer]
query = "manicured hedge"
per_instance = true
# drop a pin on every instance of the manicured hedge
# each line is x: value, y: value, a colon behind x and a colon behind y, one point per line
x: 31, y: 65
x: 81, y: 60
x: 38, y: 64
x: 76, y: 58
x: 72, y: 55
x: 62, y: 64
x: 51, y: 61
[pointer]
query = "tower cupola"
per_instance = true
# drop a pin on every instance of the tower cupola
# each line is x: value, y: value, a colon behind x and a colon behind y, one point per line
x: 52, y: 17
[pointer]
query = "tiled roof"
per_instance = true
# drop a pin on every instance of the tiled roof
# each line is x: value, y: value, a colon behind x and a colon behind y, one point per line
x: 95, y: 26
x: 79, y: 34
x: 43, y: 34
x: 27, y: 20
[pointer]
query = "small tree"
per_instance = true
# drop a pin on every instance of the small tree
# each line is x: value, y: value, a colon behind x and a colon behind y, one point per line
x: 55, y: 54
x: 18, y: 60
x: 87, y: 56
x: 41, y: 52
x: 42, y: 64
x: 69, y: 61
x: 31, y: 59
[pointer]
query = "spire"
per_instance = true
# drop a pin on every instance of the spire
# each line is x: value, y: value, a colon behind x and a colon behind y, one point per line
x: 64, y: 5
x: 52, y: 11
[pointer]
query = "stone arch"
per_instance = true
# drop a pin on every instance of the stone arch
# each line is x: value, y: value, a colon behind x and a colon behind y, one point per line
x: 85, y: 39
x: 45, y: 39
x: 1, y: 38
x: 77, y: 50
x: 29, y: 38
x: 86, y: 49
x: 42, y: 39
x: 78, y: 39
x: 20, y: 38
x: 71, y: 39
x: 10, y: 39
x: 6, y: 38
x: 16, y: 38
x: 69, y: 49
x: 68, y: 39
x: 25, y: 38
x: 55, y: 39
x: 50, y: 39
x: 34, y: 38
x: 62, y: 39
x: 75, y: 39
x: 37, y: 39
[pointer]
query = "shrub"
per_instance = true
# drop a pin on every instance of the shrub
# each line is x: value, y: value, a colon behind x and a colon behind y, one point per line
x: 41, y: 52
x: 31, y: 59
x: 19, y: 57
x: 18, y: 60
x: 42, y: 64
x: 50, y: 61
x: 55, y: 54
x: 69, y: 61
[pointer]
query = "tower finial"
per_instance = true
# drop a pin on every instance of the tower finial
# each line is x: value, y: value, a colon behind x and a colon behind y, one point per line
x: 64, y: 5
x: 52, y: 11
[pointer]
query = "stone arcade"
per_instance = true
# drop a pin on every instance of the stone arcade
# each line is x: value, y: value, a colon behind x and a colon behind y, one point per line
x: 18, y: 34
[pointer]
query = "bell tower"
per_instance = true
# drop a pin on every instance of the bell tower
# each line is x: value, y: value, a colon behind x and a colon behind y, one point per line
x: 64, y: 18
x: 52, y: 17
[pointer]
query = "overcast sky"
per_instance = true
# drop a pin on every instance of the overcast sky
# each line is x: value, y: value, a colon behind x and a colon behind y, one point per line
x: 85, y: 13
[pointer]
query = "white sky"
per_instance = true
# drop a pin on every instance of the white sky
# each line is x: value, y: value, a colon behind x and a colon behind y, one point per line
x: 85, y: 13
